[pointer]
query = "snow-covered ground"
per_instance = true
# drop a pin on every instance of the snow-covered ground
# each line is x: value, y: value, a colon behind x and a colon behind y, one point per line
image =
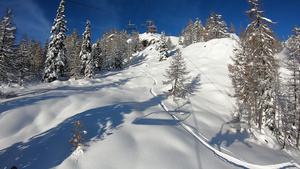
x: 131, y: 124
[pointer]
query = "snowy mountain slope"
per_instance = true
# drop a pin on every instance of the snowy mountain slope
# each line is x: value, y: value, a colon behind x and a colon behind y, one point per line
x: 127, y: 119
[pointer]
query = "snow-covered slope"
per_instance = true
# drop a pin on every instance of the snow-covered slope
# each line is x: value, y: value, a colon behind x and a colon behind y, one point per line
x: 130, y: 123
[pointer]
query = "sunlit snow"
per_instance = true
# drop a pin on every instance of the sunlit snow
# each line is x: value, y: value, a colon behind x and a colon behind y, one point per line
x: 129, y: 122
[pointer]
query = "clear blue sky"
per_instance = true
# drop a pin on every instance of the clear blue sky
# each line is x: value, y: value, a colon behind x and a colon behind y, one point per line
x: 35, y: 17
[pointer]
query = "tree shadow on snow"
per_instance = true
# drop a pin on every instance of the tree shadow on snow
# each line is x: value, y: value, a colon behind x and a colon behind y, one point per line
x: 52, y: 147
x: 56, y: 93
x: 229, y: 138
x: 154, y: 119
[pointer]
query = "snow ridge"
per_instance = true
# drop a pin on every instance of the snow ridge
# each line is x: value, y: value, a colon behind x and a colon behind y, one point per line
x: 225, y: 157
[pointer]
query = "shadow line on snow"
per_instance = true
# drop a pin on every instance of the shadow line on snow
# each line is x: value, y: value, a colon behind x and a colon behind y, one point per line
x: 169, y: 121
x: 230, y: 137
x: 52, y: 147
x: 150, y: 121
x: 56, y: 93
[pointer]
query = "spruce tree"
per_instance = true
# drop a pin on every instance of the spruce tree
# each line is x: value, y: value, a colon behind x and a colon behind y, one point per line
x: 7, y: 44
x: 73, y: 46
x: 37, y: 62
x: 232, y: 28
x: 294, y: 93
x: 169, y: 44
x: 198, y: 31
x: 56, y: 61
x: 87, y: 63
x: 210, y: 26
x: 255, y: 71
x: 221, y: 27
x: 121, y: 49
x: 262, y: 64
x: 135, y: 42
x: 163, y: 48
x: 238, y: 74
x: 215, y: 27
x: 188, y: 33
x: 104, y: 45
x: 45, y: 48
x: 177, y: 76
x: 23, y: 61
x: 97, y: 53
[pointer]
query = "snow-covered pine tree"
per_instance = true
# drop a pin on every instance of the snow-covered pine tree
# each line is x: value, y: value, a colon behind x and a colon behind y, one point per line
x: 195, y: 31
x: 180, y: 40
x: 163, y: 48
x: 45, y: 48
x: 169, y: 44
x: 238, y: 74
x: 135, y: 42
x: 294, y: 66
x: 221, y: 27
x: 73, y: 44
x: 37, y: 62
x: 198, y: 31
x: 121, y: 49
x: 7, y: 44
x: 133, y: 46
x: 97, y: 53
x: 278, y: 44
x: 87, y: 63
x: 56, y: 58
x: 22, y: 63
x: 286, y: 108
x: 188, y: 34
x: 232, y: 28
x: 30, y: 60
x: 261, y: 65
x: 290, y: 99
x: 105, y: 47
x: 210, y: 27
x: 32, y: 47
x: 215, y: 27
x: 177, y: 76
x: 112, y: 49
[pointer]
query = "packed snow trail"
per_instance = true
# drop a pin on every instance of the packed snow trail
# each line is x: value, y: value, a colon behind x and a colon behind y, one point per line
x: 232, y: 160
x: 152, y: 90
x: 223, y: 156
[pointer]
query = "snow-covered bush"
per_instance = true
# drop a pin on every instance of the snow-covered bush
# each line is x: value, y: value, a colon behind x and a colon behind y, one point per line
x: 78, y: 133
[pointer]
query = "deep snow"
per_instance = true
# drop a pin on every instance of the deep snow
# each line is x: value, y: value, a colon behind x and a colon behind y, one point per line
x: 130, y: 122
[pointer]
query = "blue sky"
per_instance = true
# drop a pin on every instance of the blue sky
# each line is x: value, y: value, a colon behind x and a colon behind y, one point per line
x: 35, y: 17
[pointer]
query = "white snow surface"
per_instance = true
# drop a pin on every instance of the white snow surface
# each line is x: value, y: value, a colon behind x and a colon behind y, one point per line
x: 129, y: 121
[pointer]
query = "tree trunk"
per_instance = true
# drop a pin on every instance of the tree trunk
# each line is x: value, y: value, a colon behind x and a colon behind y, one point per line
x: 298, y: 133
x: 260, y: 118
x: 295, y: 96
x: 175, y: 88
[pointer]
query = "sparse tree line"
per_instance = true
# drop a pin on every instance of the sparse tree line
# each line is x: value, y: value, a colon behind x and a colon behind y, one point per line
x: 214, y: 28
x: 65, y: 56
x: 266, y: 98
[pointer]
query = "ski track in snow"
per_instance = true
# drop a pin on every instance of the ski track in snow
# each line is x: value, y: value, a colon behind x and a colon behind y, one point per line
x: 223, y: 156
x: 152, y: 90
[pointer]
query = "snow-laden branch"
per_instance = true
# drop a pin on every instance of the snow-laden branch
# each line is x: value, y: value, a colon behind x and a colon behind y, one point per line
x: 268, y: 20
